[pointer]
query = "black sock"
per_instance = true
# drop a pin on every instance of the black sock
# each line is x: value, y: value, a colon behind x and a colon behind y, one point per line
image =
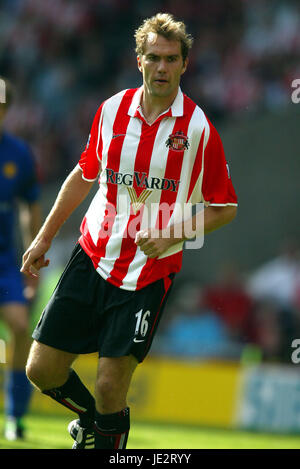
x: 111, y: 430
x: 75, y: 396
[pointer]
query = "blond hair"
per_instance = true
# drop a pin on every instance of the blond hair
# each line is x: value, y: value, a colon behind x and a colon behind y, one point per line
x: 165, y: 25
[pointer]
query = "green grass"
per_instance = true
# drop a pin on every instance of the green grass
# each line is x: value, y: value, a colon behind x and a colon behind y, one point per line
x: 50, y: 432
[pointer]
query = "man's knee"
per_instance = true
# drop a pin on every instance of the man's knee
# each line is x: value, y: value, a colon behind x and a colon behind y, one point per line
x: 107, y: 388
x: 113, y: 381
x: 47, y: 368
x: 36, y: 375
x: 44, y: 377
x: 110, y: 397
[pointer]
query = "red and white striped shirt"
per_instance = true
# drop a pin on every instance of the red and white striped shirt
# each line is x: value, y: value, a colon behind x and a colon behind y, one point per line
x: 176, y: 160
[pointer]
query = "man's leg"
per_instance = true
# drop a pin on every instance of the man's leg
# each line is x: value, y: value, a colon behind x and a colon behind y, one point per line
x: 112, y: 420
x: 49, y: 369
x: 17, y: 387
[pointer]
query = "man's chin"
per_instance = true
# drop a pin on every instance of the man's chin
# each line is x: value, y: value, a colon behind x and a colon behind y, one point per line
x: 160, y: 93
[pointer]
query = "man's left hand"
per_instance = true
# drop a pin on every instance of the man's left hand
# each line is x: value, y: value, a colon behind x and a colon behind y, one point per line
x: 152, y: 242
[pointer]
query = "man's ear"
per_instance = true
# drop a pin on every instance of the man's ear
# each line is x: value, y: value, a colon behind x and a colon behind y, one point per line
x: 139, y: 63
x: 185, y: 64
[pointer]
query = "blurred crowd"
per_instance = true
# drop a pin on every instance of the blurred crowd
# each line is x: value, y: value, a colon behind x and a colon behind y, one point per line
x: 253, y: 317
x: 66, y: 56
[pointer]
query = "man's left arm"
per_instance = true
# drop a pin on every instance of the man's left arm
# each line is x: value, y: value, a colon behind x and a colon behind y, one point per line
x: 215, y: 217
x: 155, y: 242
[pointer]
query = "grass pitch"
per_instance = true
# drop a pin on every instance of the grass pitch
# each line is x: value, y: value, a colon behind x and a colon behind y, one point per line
x: 50, y: 432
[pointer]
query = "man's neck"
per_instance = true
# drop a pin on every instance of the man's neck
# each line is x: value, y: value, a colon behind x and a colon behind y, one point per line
x: 153, y: 106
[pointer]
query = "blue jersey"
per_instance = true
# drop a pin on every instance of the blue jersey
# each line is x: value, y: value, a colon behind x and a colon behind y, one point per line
x: 18, y: 181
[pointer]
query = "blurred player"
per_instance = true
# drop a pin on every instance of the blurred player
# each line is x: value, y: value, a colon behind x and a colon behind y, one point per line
x: 18, y: 189
x: 153, y: 148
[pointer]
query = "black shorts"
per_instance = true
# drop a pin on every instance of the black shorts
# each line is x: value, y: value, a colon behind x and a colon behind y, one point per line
x: 87, y: 314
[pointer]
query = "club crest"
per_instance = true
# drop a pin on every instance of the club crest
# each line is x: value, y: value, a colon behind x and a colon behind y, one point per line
x: 178, y: 141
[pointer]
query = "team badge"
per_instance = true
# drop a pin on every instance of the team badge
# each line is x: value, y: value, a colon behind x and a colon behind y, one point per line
x: 178, y: 141
x: 9, y: 170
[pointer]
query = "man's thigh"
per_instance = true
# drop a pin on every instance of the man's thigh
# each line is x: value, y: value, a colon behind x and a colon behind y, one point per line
x: 48, y: 367
x: 128, y: 327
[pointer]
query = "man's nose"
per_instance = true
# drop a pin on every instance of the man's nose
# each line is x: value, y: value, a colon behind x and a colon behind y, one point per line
x: 161, y: 66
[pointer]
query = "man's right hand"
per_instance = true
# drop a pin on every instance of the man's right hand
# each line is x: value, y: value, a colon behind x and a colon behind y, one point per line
x: 34, y: 258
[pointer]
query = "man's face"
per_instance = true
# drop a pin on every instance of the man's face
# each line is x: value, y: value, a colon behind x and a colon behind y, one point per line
x: 162, y: 66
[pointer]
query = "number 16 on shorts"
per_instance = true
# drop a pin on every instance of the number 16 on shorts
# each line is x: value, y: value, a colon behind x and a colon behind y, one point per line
x: 142, y: 326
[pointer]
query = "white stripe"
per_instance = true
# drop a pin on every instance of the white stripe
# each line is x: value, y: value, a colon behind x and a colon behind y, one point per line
x: 111, y: 108
x: 135, y: 101
x: 88, y: 180
x: 95, y: 215
x: 74, y: 404
x: 113, y: 247
x: 197, y: 196
x: 99, y: 132
x: 222, y: 205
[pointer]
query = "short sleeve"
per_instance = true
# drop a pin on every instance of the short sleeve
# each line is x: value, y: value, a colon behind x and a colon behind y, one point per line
x: 217, y: 187
x: 90, y: 160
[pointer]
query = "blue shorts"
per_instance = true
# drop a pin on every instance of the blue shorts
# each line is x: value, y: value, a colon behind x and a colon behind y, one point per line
x: 11, y: 284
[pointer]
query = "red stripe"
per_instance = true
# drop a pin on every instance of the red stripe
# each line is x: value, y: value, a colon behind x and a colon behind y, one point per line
x: 172, y: 171
x: 142, y: 165
x: 117, y: 441
x: 117, y: 436
x: 197, y: 166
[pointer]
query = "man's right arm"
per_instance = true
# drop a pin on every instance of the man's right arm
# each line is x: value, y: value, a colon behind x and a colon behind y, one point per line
x: 73, y: 191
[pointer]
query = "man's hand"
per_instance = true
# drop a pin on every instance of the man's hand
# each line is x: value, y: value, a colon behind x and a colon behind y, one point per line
x: 34, y: 258
x: 152, y: 242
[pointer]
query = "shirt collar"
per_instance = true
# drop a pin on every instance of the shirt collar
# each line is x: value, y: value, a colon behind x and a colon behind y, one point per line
x: 175, y: 110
